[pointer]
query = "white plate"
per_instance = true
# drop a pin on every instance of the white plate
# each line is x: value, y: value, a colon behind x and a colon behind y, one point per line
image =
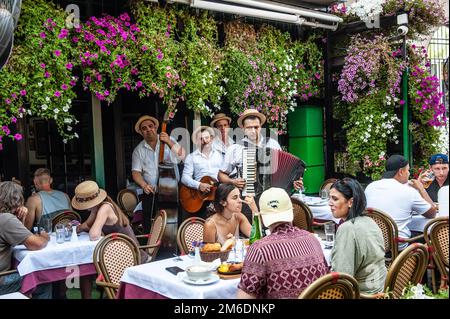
x: 316, y: 202
x: 212, y: 279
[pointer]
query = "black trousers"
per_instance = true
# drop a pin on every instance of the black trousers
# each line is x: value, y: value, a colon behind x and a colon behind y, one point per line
x: 149, y: 206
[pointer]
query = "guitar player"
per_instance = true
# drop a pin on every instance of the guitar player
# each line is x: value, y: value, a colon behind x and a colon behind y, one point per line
x: 204, y: 162
x: 251, y: 122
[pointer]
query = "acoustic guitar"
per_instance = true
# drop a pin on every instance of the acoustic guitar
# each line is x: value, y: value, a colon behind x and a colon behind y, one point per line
x: 192, y: 199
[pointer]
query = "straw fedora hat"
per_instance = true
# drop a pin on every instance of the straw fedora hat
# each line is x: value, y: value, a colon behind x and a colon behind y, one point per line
x: 137, y: 126
x: 203, y: 127
x: 218, y: 117
x: 251, y: 112
x: 87, y: 195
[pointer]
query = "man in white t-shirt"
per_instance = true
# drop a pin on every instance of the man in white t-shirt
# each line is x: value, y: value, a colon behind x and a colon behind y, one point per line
x: 398, y: 197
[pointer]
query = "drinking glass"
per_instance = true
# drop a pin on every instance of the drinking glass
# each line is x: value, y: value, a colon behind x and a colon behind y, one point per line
x: 67, y: 231
x: 330, y: 229
x: 427, y: 180
x: 46, y: 223
x: 239, y: 250
x: 60, y: 229
x: 324, y: 194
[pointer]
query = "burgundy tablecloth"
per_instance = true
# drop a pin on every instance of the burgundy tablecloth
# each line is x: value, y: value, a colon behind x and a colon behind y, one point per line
x: 30, y: 281
x: 130, y: 291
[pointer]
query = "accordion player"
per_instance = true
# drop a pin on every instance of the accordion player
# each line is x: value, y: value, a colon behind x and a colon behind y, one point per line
x: 263, y: 168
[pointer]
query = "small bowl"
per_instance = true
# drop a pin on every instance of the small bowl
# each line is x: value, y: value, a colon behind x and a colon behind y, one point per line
x: 198, y: 272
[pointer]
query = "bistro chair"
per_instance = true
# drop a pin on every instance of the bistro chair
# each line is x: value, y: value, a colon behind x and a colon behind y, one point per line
x: 327, y: 185
x: 389, y: 229
x: 154, y: 239
x: 334, y: 285
x: 65, y: 216
x: 407, y: 269
x: 113, y: 254
x: 127, y: 200
x: 436, y: 236
x: 190, y: 230
x: 303, y: 217
x: 390, y: 233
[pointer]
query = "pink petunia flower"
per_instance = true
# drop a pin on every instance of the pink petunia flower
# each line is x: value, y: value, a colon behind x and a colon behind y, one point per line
x: 57, y: 93
x: 18, y: 136
x: 23, y: 92
x: 57, y: 53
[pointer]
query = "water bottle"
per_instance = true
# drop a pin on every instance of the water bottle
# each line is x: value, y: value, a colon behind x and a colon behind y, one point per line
x: 255, y: 233
x: 74, y: 234
x: 197, y: 258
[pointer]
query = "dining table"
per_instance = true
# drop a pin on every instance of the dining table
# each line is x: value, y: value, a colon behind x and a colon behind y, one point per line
x: 57, y: 261
x: 153, y: 281
x: 319, y: 207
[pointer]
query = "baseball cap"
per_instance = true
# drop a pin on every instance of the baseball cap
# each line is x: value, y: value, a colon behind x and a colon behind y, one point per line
x: 275, y: 206
x: 393, y: 164
x: 438, y: 159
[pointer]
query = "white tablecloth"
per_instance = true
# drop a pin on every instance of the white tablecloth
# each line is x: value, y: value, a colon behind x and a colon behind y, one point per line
x: 418, y: 222
x: 54, y: 255
x: 322, y: 211
x: 154, y: 277
x: 14, y: 295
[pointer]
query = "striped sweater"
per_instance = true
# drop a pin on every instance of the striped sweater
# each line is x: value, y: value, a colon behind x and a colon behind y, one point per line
x: 282, y: 264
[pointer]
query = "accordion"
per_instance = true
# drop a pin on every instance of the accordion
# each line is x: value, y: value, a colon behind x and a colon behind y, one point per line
x: 263, y: 168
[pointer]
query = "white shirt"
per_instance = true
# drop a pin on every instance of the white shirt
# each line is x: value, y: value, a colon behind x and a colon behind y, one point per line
x: 398, y: 200
x: 145, y: 160
x: 220, y: 146
x: 198, y: 165
x: 233, y: 156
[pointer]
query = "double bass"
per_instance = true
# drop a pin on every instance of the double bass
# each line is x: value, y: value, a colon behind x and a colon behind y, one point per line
x: 168, y: 194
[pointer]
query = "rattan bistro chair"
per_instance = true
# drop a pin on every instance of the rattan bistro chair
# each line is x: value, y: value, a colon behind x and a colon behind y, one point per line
x: 390, y: 233
x: 334, y: 285
x: 436, y: 236
x: 65, y: 216
x: 327, y: 184
x: 407, y: 269
x: 127, y: 200
x: 155, y: 236
x: 303, y: 217
x: 112, y: 255
x: 190, y: 230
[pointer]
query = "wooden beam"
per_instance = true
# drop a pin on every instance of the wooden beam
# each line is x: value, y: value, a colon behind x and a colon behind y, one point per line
x: 97, y: 138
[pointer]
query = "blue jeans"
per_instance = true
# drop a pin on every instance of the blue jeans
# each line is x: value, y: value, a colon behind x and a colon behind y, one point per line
x: 13, y: 282
x: 10, y: 283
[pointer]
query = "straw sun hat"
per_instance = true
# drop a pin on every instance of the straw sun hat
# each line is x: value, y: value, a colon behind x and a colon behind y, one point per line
x: 200, y: 128
x: 137, y: 126
x: 218, y: 117
x: 88, y: 195
x: 250, y: 112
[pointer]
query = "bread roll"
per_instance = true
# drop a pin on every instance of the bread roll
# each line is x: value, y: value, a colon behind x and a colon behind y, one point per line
x: 228, y: 244
x: 235, y: 267
x: 211, y: 247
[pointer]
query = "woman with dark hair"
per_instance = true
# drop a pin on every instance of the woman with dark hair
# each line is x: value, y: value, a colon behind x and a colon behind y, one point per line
x: 359, y: 246
x: 227, y: 219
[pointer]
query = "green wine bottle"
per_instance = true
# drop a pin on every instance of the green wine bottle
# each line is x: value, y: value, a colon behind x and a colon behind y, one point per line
x: 255, y: 233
